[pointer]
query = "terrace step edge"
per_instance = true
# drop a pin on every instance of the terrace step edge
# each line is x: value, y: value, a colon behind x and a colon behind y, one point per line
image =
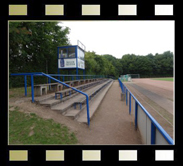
x: 93, y: 108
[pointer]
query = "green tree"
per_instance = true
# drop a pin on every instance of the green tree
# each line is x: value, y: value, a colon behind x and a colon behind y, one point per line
x: 33, y: 47
x: 149, y: 65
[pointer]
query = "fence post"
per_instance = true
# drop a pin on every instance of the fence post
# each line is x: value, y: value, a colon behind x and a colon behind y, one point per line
x: 153, y: 133
x: 136, y: 110
x: 88, y: 112
x: 32, y: 87
x: 129, y: 103
x: 25, y: 84
x: 126, y: 97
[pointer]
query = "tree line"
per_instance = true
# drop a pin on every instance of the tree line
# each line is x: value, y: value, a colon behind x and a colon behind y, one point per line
x: 33, y: 48
x: 158, y: 65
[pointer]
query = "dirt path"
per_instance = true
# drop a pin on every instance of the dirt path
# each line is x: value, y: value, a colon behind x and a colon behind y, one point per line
x: 111, y: 124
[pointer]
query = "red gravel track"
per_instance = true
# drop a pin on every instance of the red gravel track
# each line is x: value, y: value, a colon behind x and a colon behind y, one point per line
x: 157, y: 97
x: 162, y: 88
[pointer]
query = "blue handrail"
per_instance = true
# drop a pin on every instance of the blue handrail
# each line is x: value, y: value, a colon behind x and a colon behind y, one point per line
x: 120, y: 83
x: 46, y: 75
x: 69, y: 75
x: 155, y: 123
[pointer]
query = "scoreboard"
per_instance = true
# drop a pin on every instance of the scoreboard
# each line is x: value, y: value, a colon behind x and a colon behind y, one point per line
x: 70, y: 57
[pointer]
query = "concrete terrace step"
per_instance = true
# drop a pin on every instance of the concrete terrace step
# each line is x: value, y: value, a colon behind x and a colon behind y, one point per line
x: 44, y: 98
x: 39, y: 99
x: 63, y: 106
x: 51, y: 101
x: 93, y: 105
x: 72, y: 113
x: 77, y: 114
x: 72, y: 92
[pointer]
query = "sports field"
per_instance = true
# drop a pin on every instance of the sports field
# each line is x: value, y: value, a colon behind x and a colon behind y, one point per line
x: 156, y: 95
x: 164, y: 79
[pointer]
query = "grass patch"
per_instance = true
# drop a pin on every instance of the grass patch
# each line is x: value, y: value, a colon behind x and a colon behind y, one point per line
x: 31, y: 129
x: 19, y: 92
x: 164, y: 79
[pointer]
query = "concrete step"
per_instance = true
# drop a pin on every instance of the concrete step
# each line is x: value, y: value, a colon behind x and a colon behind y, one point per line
x: 70, y: 105
x: 94, y: 104
x: 64, y: 106
x: 39, y: 99
x: 80, y: 96
x: 72, y: 113
x: 50, y: 102
x: 54, y: 102
x: 84, y: 88
x: 79, y: 113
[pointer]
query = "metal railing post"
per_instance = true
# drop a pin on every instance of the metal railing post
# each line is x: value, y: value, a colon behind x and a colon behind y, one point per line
x: 32, y: 87
x: 136, y: 110
x: 25, y: 84
x: 88, y: 113
x: 153, y: 133
x: 129, y: 103
x: 126, y: 97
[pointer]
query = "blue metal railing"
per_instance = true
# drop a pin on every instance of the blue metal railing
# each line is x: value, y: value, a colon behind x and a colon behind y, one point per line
x: 77, y: 77
x: 48, y: 76
x: 154, y: 124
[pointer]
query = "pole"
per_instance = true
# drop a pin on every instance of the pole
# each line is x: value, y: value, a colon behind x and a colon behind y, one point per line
x: 25, y: 84
x: 129, y: 103
x: 76, y: 73
x: 32, y: 87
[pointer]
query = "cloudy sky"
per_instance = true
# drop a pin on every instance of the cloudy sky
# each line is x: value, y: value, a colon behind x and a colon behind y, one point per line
x: 123, y: 37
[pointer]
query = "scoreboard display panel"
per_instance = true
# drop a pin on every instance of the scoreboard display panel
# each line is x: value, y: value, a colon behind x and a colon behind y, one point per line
x: 70, y: 57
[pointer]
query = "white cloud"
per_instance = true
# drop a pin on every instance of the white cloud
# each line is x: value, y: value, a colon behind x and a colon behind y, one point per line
x: 122, y: 37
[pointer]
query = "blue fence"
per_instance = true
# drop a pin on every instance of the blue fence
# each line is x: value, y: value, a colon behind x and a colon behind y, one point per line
x: 75, y: 77
x: 50, y: 77
x: 150, y: 129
